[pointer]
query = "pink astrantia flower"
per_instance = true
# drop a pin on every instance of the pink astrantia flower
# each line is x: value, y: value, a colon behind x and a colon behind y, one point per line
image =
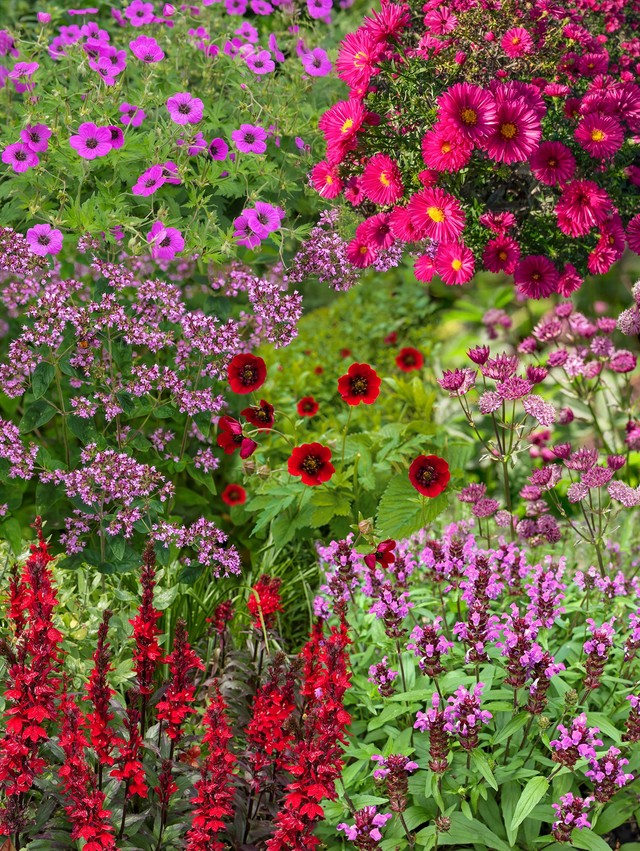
x: 165, y: 242
x: 316, y: 63
x: 553, y: 163
x: 19, y: 157
x: 91, y: 141
x: 469, y: 110
x: 139, y: 13
x: 35, y: 137
x: 250, y: 139
x: 183, y: 109
x: 454, y: 263
x: 600, y: 135
x: 146, y: 49
x: 536, y: 277
x: 517, y: 42
x: 43, y: 239
x: 149, y: 181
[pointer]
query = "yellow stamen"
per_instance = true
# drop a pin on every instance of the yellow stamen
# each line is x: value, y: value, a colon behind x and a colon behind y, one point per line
x: 457, y: 265
x: 508, y: 131
x: 469, y: 117
x: 436, y: 214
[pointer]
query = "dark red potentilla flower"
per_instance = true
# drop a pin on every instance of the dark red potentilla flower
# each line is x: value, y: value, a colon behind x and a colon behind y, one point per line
x: 260, y: 416
x: 391, y: 339
x: 246, y: 373
x: 383, y: 556
x: 409, y: 359
x: 344, y: 353
x: 231, y: 438
x: 319, y: 370
x: 360, y: 384
x: 234, y: 495
x: 429, y: 474
x: 265, y: 598
x: 312, y: 461
x: 307, y: 407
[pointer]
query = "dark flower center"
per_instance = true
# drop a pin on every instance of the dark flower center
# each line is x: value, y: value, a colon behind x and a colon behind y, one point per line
x: 184, y: 109
x: 249, y: 138
x: 91, y: 143
x: 263, y: 415
x: 409, y: 360
x: 149, y: 182
x: 316, y: 62
x: 115, y: 133
x: 258, y: 63
x: 308, y: 406
x: 263, y: 218
x: 43, y: 239
x: 536, y: 276
x: 148, y: 57
x: 359, y: 385
x: 166, y: 242
x: 35, y: 137
x: 311, y: 464
x: 20, y: 156
x: 237, y: 438
x: 249, y: 375
x: 426, y: 475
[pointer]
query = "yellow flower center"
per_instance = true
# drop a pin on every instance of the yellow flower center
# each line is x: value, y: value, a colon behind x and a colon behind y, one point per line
x: 516, y: 40
x: 469, y: 117
x: 360, y: 59
x: 363, y: 249
x: 436, y: 214
x: 598, y: 135
x: 384, y: 179
x: 328, y: 180
x: 502, y: 255
x: 508, y: 131
x: 348, y: 124
x: 446, y: 147
x: 552, y: 163
x: 456, y: 264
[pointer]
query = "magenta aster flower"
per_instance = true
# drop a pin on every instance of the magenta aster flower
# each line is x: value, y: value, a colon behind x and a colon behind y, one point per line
x: 633, y: 234
x: 326, y: 180
x: 132, y: 114
x: 443, y: 149
x: 165, y: 242
x: 183, y: 109
x: 316, y: 63
x: 146, y: 49
x: 91, y: 141
x: 455, y: 263
x: 149, y: 181
x: 382, y: 181
x: 436, y: 213
x: 517, y: 42
x: 553, y: 163
x: 261, y: 62
x: 569, y: 282
x: 516, y: 133
x: 139, y: 13
x: 469, y: 110
x: 582, y: 205
x: 536, y: 277
x: 250, y: 139
x: 35, y: 137
x: 501, y: 255
x: 498, y: 222
x: 19, y: 157
x: 600, y: 135
x: 218, y: 149
x: 43, y: 239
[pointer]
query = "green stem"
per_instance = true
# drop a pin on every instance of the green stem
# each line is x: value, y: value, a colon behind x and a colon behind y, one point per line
x: 344, y: 437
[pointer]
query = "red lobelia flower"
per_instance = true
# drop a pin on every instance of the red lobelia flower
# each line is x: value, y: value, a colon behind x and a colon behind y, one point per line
x: 175, y: 704
x: 312, y: 461
x: 234, y: 495
x: 265, y: 598
x: 409, y: 359
x: 231, y: 438
x: 383, y: 555
x: 360, y: 384
x: 129, y: 767
x: 246, y: 373
x: 429, y: 474
x: 103, y: 738
x: 260, y: 415
x: 307, y: 407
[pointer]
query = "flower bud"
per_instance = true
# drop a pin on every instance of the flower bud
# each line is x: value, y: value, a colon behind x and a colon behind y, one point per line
x: 443, y: 824
x: 249, y: 467
x: 43, y: 18
x: 365, y: 527
x: 264, y: 471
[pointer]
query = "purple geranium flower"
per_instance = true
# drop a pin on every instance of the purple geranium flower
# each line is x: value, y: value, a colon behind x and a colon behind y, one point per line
x: 165, y: 242
x: 19, y: 157
x: 117, y: 136
x: 170, y: 173
x: 232, y: 48
x: 91, y: 141
x: 196, y: 145
x: 117, y: 14
x: 261, y: 62
x: 218, y: 149
x: 132, y: 115
x: 261, y: 7
x: 247, y: 32
x: 319, y: 8
x: 8, y: 45
x: 35, y: 137
x: 250, y: 139
x: 273, y: 45
x: 147, y: 183
x: 264, y: 218
x: 43, y: 239
x: 139, y: 13
x: 235, y: 7
x: 43, y: 18
x: 183, y: 109
x: 146, y: 49
x: 316, y: 63
x: 243, y: 233
x: 106, y: 71
x: 22, y: 70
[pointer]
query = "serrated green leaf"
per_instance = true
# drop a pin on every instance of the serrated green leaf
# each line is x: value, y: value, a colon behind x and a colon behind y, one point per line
x: 535, y: 789
x: 400, y: 512
x: 41, y: 378
x: 36, y: 415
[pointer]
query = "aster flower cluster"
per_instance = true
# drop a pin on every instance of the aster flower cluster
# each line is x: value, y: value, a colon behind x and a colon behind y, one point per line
x: 559, y: 127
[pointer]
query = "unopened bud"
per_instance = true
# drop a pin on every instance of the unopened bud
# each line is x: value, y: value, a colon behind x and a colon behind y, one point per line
x: 264, y: 471
x: 571, y: 697
x: 443, y: 824
x: 543, y: 722
x: 249, y: 467
x: 365, y: 527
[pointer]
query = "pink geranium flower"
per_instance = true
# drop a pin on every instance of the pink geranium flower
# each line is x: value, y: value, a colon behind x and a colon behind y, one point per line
x: 91, y: 141
x: 261, y: 62
x: 146, y: 49
x: 250, y: 139
x: 218, y: 149
x: 165, y: 242
x: 148, y: 182
x: 139, y: 13
x: 43, y: 239
x: 19, y: 157
x: 183, y: 109
x: 132, y: 114
x: 35, y: 137
x: 316, y: 63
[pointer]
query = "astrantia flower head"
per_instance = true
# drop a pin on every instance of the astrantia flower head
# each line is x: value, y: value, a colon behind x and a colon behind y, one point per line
x: 479, y: 355
x: 184, y: 109
x: 455, y: 263
x: 436, y: 213
x: 429, y: 475
x: 600, y: 135
x: 312, y: 462
x: 501, y: 367
x: 458, y: 382
x: 536, y: 277
x: 360, y: 384
x: 381, y: 180
x: 246, y: 373
x: 490, y: 402
x: 43, y: 239
x: 468, y: 110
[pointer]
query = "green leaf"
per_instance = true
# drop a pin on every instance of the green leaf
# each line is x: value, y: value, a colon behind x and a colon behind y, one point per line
x: 115, y: 546
x: 191, y: 573
x: 466, y: 831
x: 535, y: 789
x: 599, y: 719
x: 11, y: 494
x: 164, y: 598
x: 328, y: 504
x: 75, y: 561
x: 140, y: 443
x: 83, y: 428
x: 41, y: 378
x: 47, y: 494
x: 400, y: 512
x: 482, y: 766
x: 10, y: 530
x: 36, y: 415
x: 203, y: 478
x: 512, y: 727
x: 588, y: 840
